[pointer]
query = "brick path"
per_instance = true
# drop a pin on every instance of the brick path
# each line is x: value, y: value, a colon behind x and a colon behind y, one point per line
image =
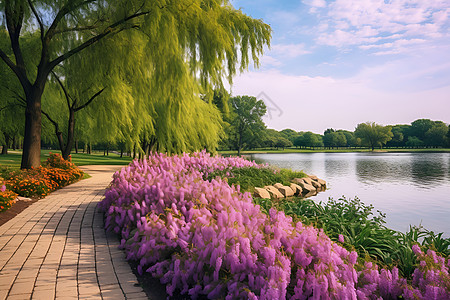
x: 57, y: 248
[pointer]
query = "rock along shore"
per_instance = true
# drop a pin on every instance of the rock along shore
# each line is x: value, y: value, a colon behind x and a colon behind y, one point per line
x: 300, y: 187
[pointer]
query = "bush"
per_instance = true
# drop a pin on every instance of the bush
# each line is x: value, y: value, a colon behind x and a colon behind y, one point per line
x: 362, y: 230
x: 39, y: 182
x: 251, y: 177
x: 7, y: 198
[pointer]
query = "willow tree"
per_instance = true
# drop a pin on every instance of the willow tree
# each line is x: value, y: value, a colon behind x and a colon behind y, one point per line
x: 373, y: 135
x: 194, y: 39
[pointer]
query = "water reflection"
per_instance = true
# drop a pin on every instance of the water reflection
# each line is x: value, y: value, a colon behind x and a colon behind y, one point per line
x: 428, y: 170
x: 378, y: 169
x: 336, y: 167
x: 412, y: 188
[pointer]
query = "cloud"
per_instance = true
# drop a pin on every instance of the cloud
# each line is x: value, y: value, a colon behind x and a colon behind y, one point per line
x: 269, y: 61
x: 289, y: 50
x: 371, y: 22
x: 315, y: 3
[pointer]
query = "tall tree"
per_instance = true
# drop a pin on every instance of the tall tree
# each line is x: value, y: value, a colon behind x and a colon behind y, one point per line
x: 436, y: 135
x: 420, y: 127
x: 312, y: 140
x: 246, y: 120
x: 373, y: 134
x: 334, y: 139
x: 185, y: 39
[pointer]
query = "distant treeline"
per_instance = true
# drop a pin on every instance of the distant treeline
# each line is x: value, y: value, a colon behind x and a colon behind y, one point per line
x: 422, y: 133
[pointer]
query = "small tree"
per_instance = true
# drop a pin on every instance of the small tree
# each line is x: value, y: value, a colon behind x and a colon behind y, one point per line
x: 246, y: 120
x: 373, y: 134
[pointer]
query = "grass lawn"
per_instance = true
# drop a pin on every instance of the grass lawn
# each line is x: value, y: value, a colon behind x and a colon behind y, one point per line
x: 14, y: 157
x: 344, y: 150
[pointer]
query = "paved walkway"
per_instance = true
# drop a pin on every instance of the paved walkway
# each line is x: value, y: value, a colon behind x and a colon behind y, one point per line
x: 57, y: 248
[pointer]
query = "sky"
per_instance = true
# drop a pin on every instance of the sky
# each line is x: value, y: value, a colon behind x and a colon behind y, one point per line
x: 335, y: 64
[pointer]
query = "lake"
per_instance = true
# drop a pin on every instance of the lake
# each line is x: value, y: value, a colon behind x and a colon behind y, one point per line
x: 411, y: 188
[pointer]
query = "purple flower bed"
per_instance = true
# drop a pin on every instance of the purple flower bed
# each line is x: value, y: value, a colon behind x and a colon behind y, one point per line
x: 207, y: 238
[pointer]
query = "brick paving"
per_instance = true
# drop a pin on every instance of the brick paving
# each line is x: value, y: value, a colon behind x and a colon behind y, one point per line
x: 58, y: 249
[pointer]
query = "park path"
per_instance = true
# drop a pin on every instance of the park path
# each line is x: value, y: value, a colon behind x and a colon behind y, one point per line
x: 57, y: 248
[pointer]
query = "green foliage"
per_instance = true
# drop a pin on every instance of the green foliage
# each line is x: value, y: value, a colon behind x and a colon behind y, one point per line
x: 334, y: 139
x: 436, y: 135
x: 283, y: 143
x: 362, y: 230
x: 373, y: 135
x: 420, y: 127
x: 246, y: 124
x: 308, y: 139
x: 414, y: 141
x: 157, y: 58
x: 251, y: 177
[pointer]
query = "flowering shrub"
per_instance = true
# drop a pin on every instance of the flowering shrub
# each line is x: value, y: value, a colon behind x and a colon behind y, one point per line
x: 208, y: 238
x: 39, y: 182
x: 55, y: 160
x: 7, y: 198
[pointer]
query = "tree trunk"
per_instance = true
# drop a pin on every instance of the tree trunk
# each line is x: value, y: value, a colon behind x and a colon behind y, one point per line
x: 70, y: 134
x: 76, y: 146
x: 6, y: 144
x: 14, y: 142
x: 31, y: 156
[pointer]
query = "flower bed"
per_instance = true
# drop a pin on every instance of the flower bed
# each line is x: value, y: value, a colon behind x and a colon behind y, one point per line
x: 7, y: 198
x: 207, y: 238
x: 39, y: 182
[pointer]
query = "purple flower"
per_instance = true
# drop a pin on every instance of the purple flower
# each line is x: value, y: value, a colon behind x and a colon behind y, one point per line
x: 208, y: 238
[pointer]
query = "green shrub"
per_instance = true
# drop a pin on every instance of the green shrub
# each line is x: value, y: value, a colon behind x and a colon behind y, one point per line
x: 251, y: 177
x: 362, y: 230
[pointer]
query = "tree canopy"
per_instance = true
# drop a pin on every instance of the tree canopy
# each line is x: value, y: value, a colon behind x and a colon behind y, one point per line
x: 373, y: 135
x: 185, y: 48
x: 246, y: 121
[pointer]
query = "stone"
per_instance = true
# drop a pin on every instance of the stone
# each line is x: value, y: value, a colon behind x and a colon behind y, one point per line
x: 322, y: 182
x: 297, y: 180
x: 310, y: 194
x: 274, y: 192
x: 24, y: 199
x: 307, y: 188
x: 296, y: 189
x: 313, y: 177
x: 307, y: 180
x: 278, y: 185
x: 261, y: 193
x: 316, y: 184
x: 286, y: 191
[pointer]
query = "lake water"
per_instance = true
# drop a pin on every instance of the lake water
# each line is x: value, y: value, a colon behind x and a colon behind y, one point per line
x: 411, y: 188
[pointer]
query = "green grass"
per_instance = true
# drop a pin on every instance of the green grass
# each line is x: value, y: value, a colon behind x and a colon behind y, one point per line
x: 250, y: 177
x: 13, y: 159
x: 343, y: 150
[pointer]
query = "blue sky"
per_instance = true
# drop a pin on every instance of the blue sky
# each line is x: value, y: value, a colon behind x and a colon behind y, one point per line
x: 342, y: 62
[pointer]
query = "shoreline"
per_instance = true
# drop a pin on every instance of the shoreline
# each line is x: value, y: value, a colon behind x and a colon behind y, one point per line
x: 293, y: 150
